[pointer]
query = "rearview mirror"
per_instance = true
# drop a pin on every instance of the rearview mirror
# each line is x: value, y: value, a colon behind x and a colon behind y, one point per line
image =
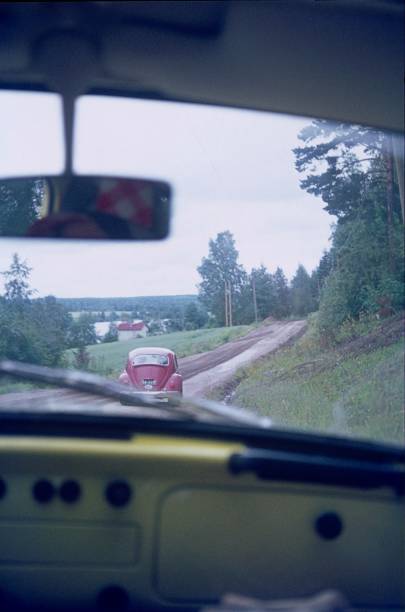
x: 85, y: 207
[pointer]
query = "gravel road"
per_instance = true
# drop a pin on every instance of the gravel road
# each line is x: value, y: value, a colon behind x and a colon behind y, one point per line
x: 207, y: 370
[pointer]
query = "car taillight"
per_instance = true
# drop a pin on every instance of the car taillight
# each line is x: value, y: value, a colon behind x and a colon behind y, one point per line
x: 171, y: 384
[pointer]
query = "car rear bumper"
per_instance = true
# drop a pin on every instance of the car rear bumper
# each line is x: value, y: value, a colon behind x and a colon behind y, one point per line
x: 164, y: 395
x: 159, y: 396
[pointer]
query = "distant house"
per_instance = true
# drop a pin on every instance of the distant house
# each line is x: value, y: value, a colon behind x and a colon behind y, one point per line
x: 128, y: 330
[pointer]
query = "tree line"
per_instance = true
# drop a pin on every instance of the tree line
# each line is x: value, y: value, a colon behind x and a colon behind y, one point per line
x: 40, y: 330
x: 142, y: 306
x: 253, y: 296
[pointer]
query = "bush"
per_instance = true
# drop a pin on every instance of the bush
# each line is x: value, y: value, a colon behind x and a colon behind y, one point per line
x: 333, y: 309
x: 81, y: 359
x: 112, y: 334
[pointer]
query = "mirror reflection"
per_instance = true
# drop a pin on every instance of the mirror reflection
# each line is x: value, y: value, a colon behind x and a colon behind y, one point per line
x: 86, y: 207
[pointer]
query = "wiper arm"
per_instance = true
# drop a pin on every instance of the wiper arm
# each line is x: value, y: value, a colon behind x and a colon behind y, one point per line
x: 94, y: 384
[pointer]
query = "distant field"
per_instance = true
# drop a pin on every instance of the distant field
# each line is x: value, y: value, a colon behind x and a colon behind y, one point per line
x: 109, y: 359
x: 356, y: 388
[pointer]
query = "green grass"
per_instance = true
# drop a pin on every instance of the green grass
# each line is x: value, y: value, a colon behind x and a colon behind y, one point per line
x: 343, y: 390
x: 109, y: 359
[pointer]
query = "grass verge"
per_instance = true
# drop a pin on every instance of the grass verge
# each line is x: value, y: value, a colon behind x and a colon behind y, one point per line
x: 354, y: 388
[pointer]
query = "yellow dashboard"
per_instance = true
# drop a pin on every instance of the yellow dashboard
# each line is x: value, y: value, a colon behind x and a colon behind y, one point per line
x: 162, y: 522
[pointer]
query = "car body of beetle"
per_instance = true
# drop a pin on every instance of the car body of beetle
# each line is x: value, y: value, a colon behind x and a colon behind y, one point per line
x: 153, y: 370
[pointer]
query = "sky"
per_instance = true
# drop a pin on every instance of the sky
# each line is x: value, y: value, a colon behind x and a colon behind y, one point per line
x: 230, y: 170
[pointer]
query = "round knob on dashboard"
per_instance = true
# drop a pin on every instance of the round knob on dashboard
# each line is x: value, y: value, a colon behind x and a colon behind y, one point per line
x: 118, y: 493
x: 43, y: 491
x: 70, y: 491
x: 329, y: 525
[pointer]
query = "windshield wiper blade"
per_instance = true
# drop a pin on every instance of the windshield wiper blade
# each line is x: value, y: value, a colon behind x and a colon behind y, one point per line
x: 240, y: 415
x: 86, y: 382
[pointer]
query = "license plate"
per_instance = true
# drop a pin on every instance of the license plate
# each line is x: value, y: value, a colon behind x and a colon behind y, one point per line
x: 148, y: 384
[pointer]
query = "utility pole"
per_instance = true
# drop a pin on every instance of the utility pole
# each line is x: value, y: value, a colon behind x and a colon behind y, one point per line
x: 389, y: 161
x: 254, y: 297
x: 399, y: 167
x: 228, y: 304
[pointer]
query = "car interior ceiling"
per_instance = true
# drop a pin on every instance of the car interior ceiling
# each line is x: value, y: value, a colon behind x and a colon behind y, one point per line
x: 248, y: 54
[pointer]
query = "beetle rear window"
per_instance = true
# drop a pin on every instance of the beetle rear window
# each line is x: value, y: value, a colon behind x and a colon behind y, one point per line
x: 162, y: 360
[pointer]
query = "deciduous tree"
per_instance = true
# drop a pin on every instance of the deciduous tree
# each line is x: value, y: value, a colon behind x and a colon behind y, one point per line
x: 194, y: 316
x: 219, y: 270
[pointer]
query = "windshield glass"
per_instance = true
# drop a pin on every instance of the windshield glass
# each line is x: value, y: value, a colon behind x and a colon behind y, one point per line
x: 280, y: 287
x: 31, y: 147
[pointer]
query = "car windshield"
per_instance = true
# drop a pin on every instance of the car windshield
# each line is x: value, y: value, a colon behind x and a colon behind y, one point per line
x: 161, y: 360
x: 279, y: 288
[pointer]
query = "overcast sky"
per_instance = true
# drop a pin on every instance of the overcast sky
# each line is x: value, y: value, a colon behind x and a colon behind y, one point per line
x: 230, y: 170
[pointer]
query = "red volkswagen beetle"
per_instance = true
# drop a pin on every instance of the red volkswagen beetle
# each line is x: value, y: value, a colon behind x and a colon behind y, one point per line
x: 154, y: 370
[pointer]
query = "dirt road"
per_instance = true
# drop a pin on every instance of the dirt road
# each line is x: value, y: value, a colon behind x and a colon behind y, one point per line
x: 201, y: 372
x: 208, y: 370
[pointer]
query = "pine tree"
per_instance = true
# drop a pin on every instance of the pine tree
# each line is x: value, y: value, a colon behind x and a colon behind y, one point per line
x: 302, y: 301
x: 351, y: 168
x: 282, y: 305
x: 263, y: 288
x: 16, y: 280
